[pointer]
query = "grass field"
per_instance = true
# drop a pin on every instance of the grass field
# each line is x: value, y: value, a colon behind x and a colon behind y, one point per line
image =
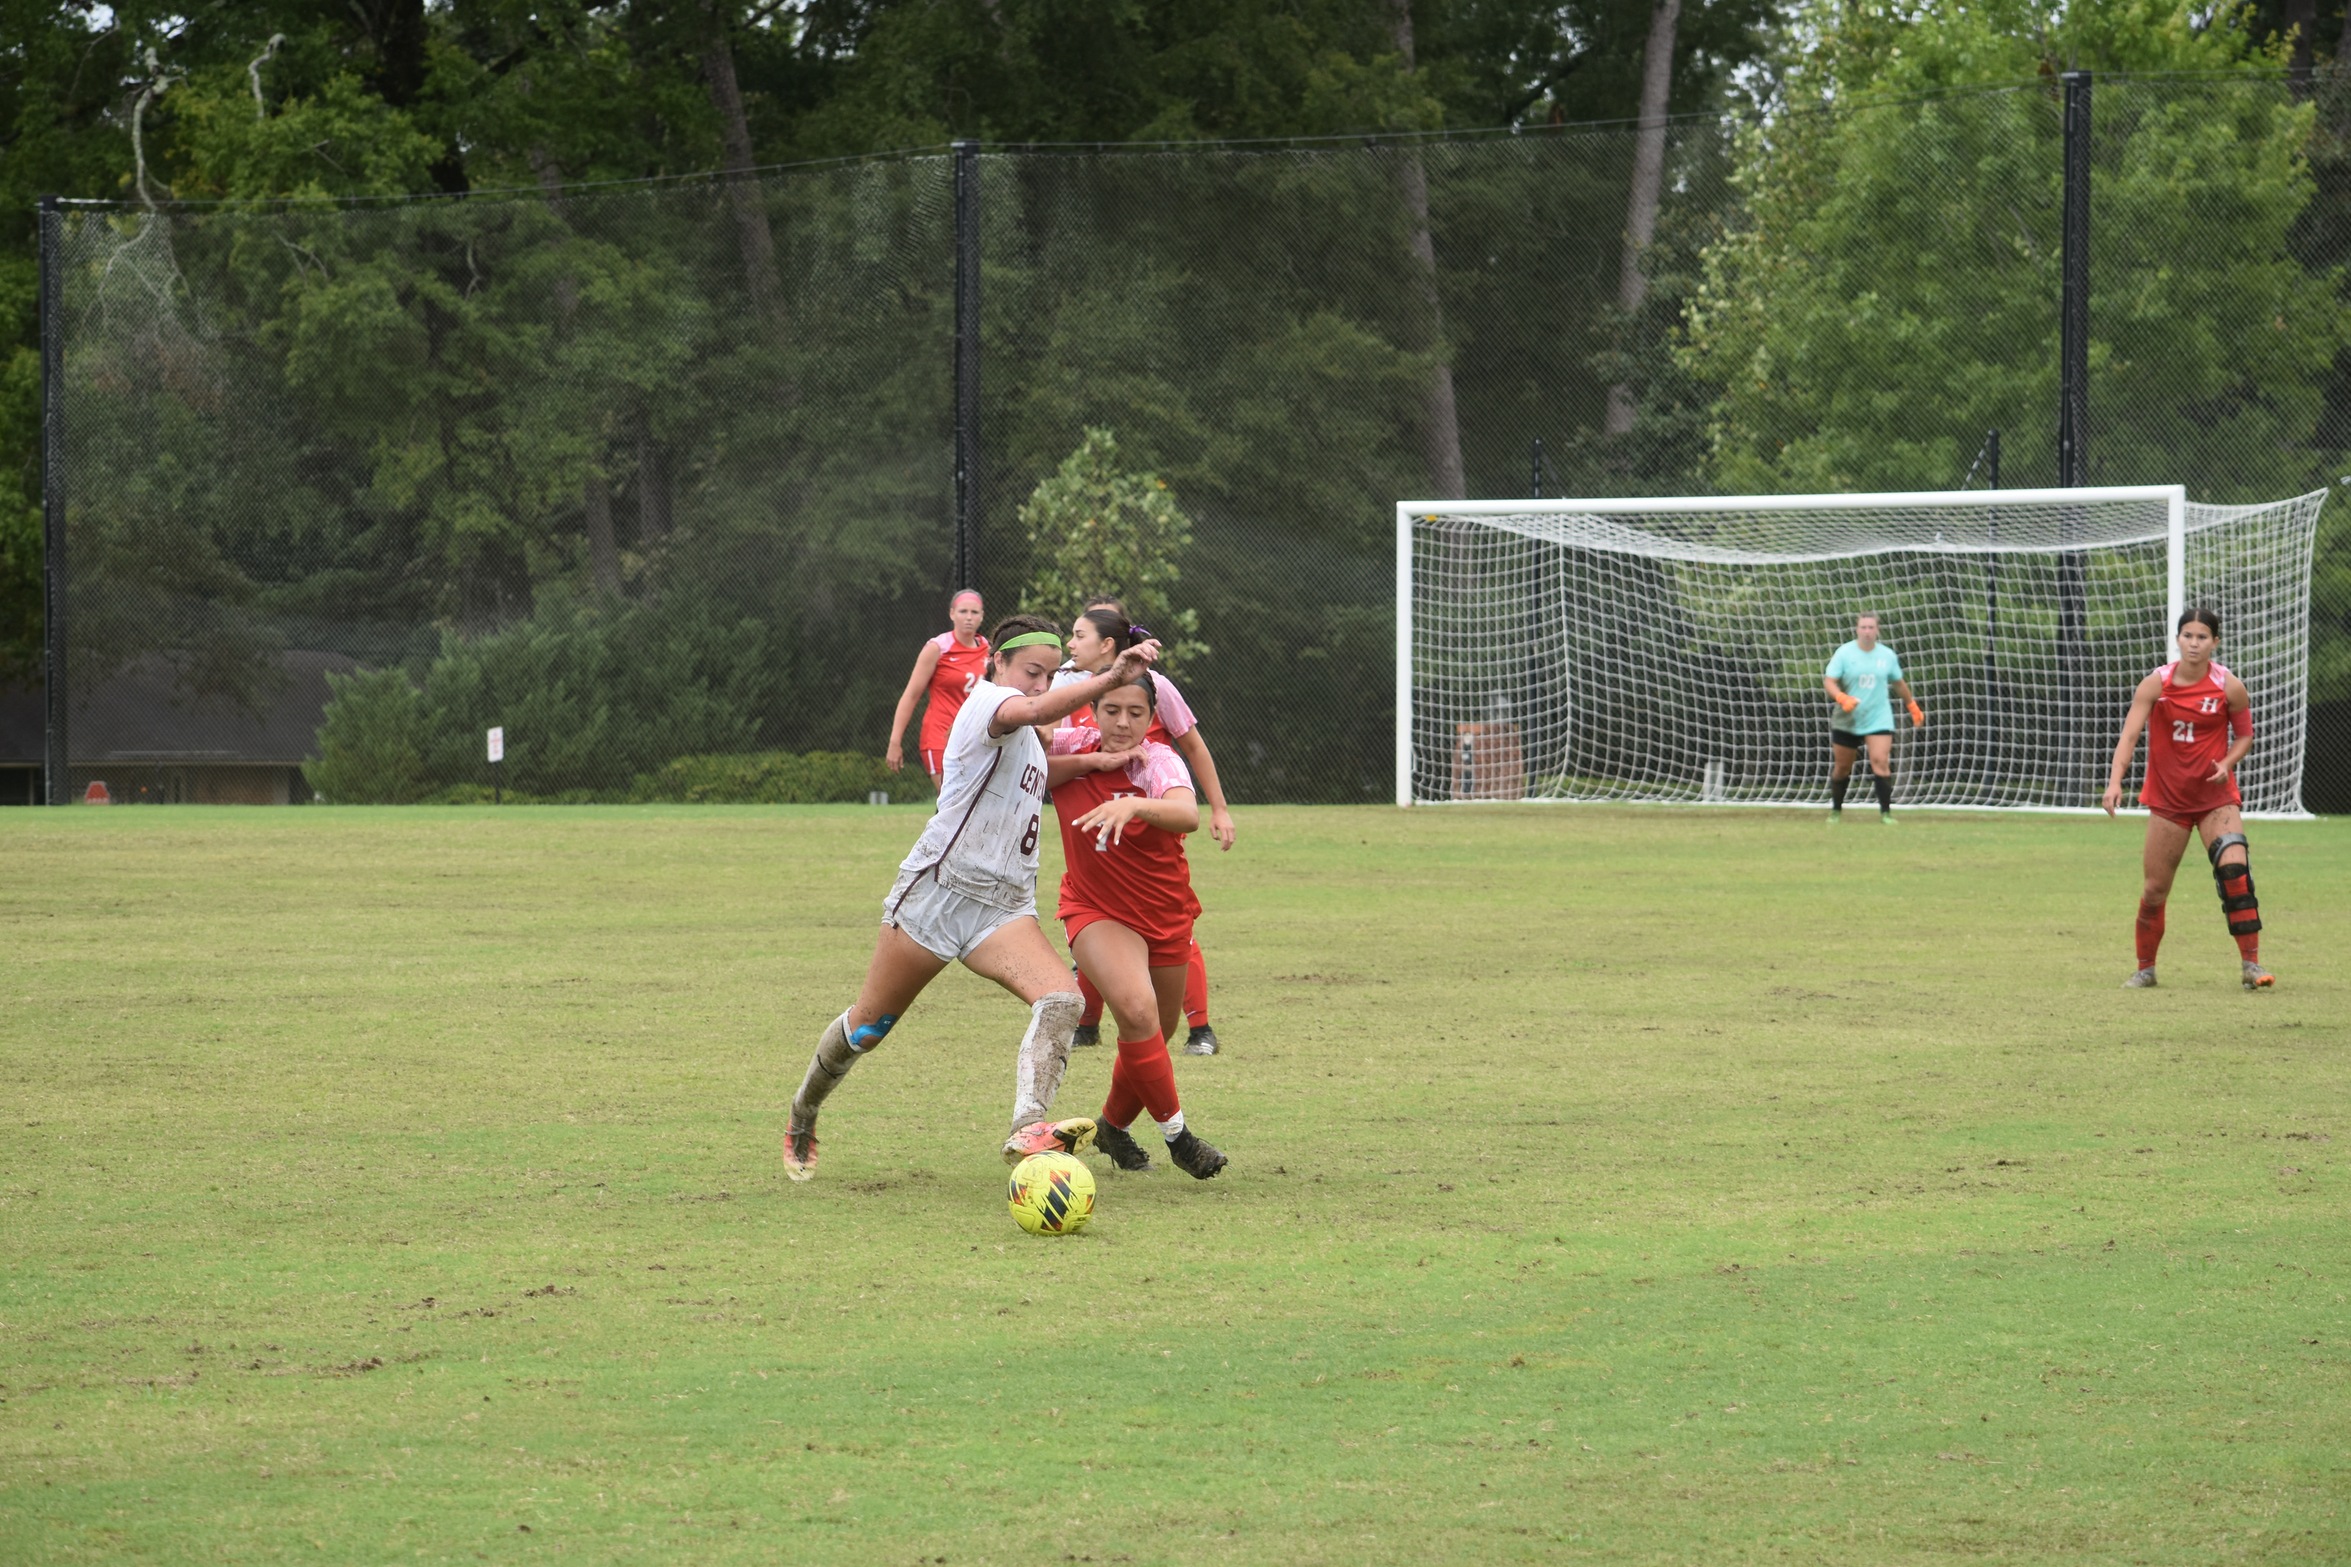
x: 1607, y: 1185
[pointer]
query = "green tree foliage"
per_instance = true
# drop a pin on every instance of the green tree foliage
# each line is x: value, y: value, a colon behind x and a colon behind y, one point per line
x: 1890, y: 291
x: 1097, y: 530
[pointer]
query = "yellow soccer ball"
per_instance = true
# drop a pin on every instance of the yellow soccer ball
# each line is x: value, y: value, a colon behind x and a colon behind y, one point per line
x: 1051, y: 1194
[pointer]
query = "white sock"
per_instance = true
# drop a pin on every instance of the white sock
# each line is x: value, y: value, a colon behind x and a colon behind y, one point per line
x: 1044, y: 1055
x: 1173, y: 1127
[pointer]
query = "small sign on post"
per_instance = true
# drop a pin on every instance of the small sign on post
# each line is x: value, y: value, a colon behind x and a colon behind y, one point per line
x: 497, y: 756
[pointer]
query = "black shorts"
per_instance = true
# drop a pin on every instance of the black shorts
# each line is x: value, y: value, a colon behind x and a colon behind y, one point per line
x: 1851, y: 741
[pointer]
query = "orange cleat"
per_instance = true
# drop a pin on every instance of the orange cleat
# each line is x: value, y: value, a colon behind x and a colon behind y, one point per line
x: 1048, y: 1137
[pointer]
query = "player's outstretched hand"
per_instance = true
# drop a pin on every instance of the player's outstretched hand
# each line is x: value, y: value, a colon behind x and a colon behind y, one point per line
x: 1220, y: 827
x: 1108, y: 821
x: 2111, y: 798
x: 1135, y: 660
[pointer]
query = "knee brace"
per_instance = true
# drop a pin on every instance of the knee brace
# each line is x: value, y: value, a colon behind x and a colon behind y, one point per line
x: 2235, y: 884
x: 867, y: 1035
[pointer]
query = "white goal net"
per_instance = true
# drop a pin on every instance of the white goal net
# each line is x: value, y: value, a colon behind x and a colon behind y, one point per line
x: 1672, y: 650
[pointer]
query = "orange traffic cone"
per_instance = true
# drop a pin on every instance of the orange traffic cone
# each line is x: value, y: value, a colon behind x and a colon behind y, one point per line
x: 96, y: 794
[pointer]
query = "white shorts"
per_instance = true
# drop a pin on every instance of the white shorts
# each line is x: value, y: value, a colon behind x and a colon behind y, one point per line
x: 943, y: 922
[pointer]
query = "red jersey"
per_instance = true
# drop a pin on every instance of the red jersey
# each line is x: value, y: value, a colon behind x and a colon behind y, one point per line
x: 2187, y: 735
x: 1142, y: 881
x: 960, y: 668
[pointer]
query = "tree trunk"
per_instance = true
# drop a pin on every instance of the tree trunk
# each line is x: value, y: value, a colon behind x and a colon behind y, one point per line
x: 1640, y: 224
x: 652, y: 491
x: 2301, y: 24
x: 603, y: 554
x: 1440, y: 418
x: 744, y: 197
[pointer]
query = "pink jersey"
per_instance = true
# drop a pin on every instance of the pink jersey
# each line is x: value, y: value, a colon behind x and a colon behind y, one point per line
x: 2187, y: 735
x: 960, y: 668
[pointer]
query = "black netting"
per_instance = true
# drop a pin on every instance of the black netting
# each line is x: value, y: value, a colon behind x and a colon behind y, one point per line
x: 658, y: 472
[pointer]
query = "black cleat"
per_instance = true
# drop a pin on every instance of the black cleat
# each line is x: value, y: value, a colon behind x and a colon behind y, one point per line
x: 1084, y: 1035
x: 1193, y: 1156
x: 1123, y: 1150
x: 1202, y: 1042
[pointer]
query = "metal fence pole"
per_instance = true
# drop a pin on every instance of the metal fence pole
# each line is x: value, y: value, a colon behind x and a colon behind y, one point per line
x: 967, y: 364
x: 2073, y: 394
x: 56, y: 784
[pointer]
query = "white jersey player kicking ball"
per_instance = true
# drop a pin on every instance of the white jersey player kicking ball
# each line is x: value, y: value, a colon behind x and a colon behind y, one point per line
x: 968, y: 892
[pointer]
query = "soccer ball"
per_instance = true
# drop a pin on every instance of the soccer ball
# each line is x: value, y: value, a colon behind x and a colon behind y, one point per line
x: 1051, y: 1194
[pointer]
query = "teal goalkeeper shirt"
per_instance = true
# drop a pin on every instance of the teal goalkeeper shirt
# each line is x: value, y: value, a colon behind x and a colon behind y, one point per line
x: 1869, y: 679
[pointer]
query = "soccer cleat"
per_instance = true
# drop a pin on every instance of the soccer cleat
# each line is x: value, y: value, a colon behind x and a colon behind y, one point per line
x: 1121, y: 1148
x: 2258, y: 978
x: 1835, y: 816
x: 1885, y: 818
x: 1085, y: 1034
x: 1201, y: 1042
x: 1193, y: 1156
x: 1048, y: 1137
x: 2142, y: 980
x: 800, y: 1152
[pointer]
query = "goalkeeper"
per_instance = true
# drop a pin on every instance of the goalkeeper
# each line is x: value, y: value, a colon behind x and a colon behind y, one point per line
x: 1861, y: 677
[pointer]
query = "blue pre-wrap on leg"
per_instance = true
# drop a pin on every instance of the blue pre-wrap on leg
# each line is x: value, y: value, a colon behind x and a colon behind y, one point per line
x: 867, y: 1035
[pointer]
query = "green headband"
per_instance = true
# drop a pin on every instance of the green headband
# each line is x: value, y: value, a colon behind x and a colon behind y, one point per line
x: 1031, y: 639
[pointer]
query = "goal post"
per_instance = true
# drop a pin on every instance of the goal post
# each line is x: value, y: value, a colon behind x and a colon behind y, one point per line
x: 1671, y: 649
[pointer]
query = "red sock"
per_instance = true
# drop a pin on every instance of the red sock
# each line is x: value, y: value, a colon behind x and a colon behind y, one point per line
x: 1196, y: 988
x: 1152, y: 1075
x: 2249, y: 946
x: 1093, y: 998
x: 1123, y: 1104
x: 2150, y: 930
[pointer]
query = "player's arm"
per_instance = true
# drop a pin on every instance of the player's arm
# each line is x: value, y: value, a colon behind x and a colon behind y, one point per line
x: 1061, y: 701
x: 1061, y: 769
x: 924, y: 663
x: 1918, y: 714
x: 1837, y: 693
x: 2142, y: 703
x: 2240, y: 703
x: 1194, y: 751
x: 1176, y: 811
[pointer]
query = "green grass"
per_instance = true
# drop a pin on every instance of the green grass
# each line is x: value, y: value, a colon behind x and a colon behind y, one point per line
x: 1607, y: 1185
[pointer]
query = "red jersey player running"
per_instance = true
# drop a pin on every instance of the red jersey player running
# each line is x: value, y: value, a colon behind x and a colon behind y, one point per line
x: 2199, y: 723
x: 950, y: 664
x: 1099, y: 635
x: 1125, y: 803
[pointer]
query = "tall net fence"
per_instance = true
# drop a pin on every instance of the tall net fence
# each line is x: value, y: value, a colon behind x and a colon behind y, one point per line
x: 1677, y: 653
x: 643, y: 473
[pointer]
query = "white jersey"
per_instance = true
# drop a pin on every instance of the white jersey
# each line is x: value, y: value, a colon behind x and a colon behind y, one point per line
x: 982, y: 842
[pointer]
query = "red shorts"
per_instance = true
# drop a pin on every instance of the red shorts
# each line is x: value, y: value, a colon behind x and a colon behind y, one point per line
x: 1166, y: 951
x: 934, y: 760
x: 2182, y: 816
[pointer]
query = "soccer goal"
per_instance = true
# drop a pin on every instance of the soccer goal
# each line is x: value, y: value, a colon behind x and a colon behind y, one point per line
x: 1672, y: 650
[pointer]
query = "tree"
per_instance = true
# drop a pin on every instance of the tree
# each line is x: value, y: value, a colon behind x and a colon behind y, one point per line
x: 1097, y: 530
x: 1890, y: 291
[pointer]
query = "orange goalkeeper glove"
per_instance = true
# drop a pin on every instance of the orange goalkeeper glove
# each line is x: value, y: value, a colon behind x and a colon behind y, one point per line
x: 1918, y: 716
x: 1848, y: 703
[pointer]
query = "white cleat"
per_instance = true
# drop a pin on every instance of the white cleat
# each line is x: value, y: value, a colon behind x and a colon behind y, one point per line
x: 800, y: 1152
x: 2142, y: 980
x: 2258, y: 978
